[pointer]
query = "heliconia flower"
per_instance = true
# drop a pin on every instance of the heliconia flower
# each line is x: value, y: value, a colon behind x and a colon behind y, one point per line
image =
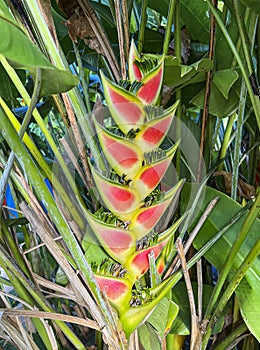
x: 126, y: 109
x: 152, y: 82
x: 151, y: 174
x: 147, y: 217
x: 130, y: 190
x: 133, y: 70
x: 133, y: 317
x: 138, y: 263
x: 117, y: 290
x: 123, y: 155
x: 155, y: 130
x: 118, y: 242
x: 120, y: 199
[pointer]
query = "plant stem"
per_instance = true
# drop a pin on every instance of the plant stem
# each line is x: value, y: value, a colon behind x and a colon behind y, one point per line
x: 21, y: 132
x: 230, y: 338
x: 58, y: 219
x: 249, y: 221
x: 253, y: 97
x: 230, y: 290
x: 82, y: 77
x: 177, y: 49
x: 46, y: 169
x: 244, y: 38
x: 237, y: 152
x: 207, y: 92
x: 168, y: 31
x: 142, y: 26
x: 120, y: 33
x: 125, y: 20
x: 33, y: 293
x: 226, y: 140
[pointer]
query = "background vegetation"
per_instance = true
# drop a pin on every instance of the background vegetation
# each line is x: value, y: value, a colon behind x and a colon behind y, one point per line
x: 51, y: 56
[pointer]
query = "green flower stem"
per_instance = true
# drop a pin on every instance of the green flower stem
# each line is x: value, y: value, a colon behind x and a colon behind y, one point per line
x: 22, y: 130
x: 142, y: 26
x: 82, y: 77
x: 226, y: 140
x: 177, y: 49
x: 230, y: 290
x: 168, y: 31
x: 35, y: 295
x: 243, y: 35
x: 231, y: 337
x: 239, y: 130
x: 43, y: 192
x: 23, y: 293
x: 249, y: 221
x: 254, y: 98
x: 12, y: 246
x: 17, y: 82
x: 59, y: 60
x: 39, y: 158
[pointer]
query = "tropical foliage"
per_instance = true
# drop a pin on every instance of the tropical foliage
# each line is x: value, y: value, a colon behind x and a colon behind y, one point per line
x: 129, y: 174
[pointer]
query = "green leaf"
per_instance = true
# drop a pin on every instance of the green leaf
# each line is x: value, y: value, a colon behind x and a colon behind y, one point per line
x: 224, y: 80
x: 56, y: 81
x: 253, y: 4
x: 16, y: 222
x: 17, y: 48
x: 194, y: 14
x: 93, y: 251
x: 248, y: 290
x: 148, y: 337
x: 163, y: 316
x: 182, y: 323
x: 218, y: 104
x: 176, y: 75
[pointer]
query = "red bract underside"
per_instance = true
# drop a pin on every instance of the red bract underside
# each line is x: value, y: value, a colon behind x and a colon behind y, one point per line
x: 121, y: 153
x: 148, y: 93
x: 114, y: 289
x: 117, y: 241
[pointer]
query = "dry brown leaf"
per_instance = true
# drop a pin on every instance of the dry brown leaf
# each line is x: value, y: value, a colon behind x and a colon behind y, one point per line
x: 45, y: 6
x: 244, y: 190
x: 185, y: 45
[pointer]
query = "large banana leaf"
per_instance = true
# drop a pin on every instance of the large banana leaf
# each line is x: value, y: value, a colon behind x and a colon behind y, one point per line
x: 17, y: 48
x: 248, y: 290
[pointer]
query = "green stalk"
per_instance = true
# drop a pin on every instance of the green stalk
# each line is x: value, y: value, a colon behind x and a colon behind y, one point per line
x: 45, y: 167
x: 249, y: 221
x: 239, y: 130
x: 82, y: 78
x: 21, y: 132
x: 244, y: 38
x: 37, y: 297
x: 23, y: 293
x: 230, y: 290
x: 43, y: 192
x: 59, y: 60
x: 254, y: 98
x: 142, y: 26
x: 168, y: 31
x: 17, y: 82
x: 12, y: 246
x: 226, y: 140
x: 177, y: 49
x: 228, y: 340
